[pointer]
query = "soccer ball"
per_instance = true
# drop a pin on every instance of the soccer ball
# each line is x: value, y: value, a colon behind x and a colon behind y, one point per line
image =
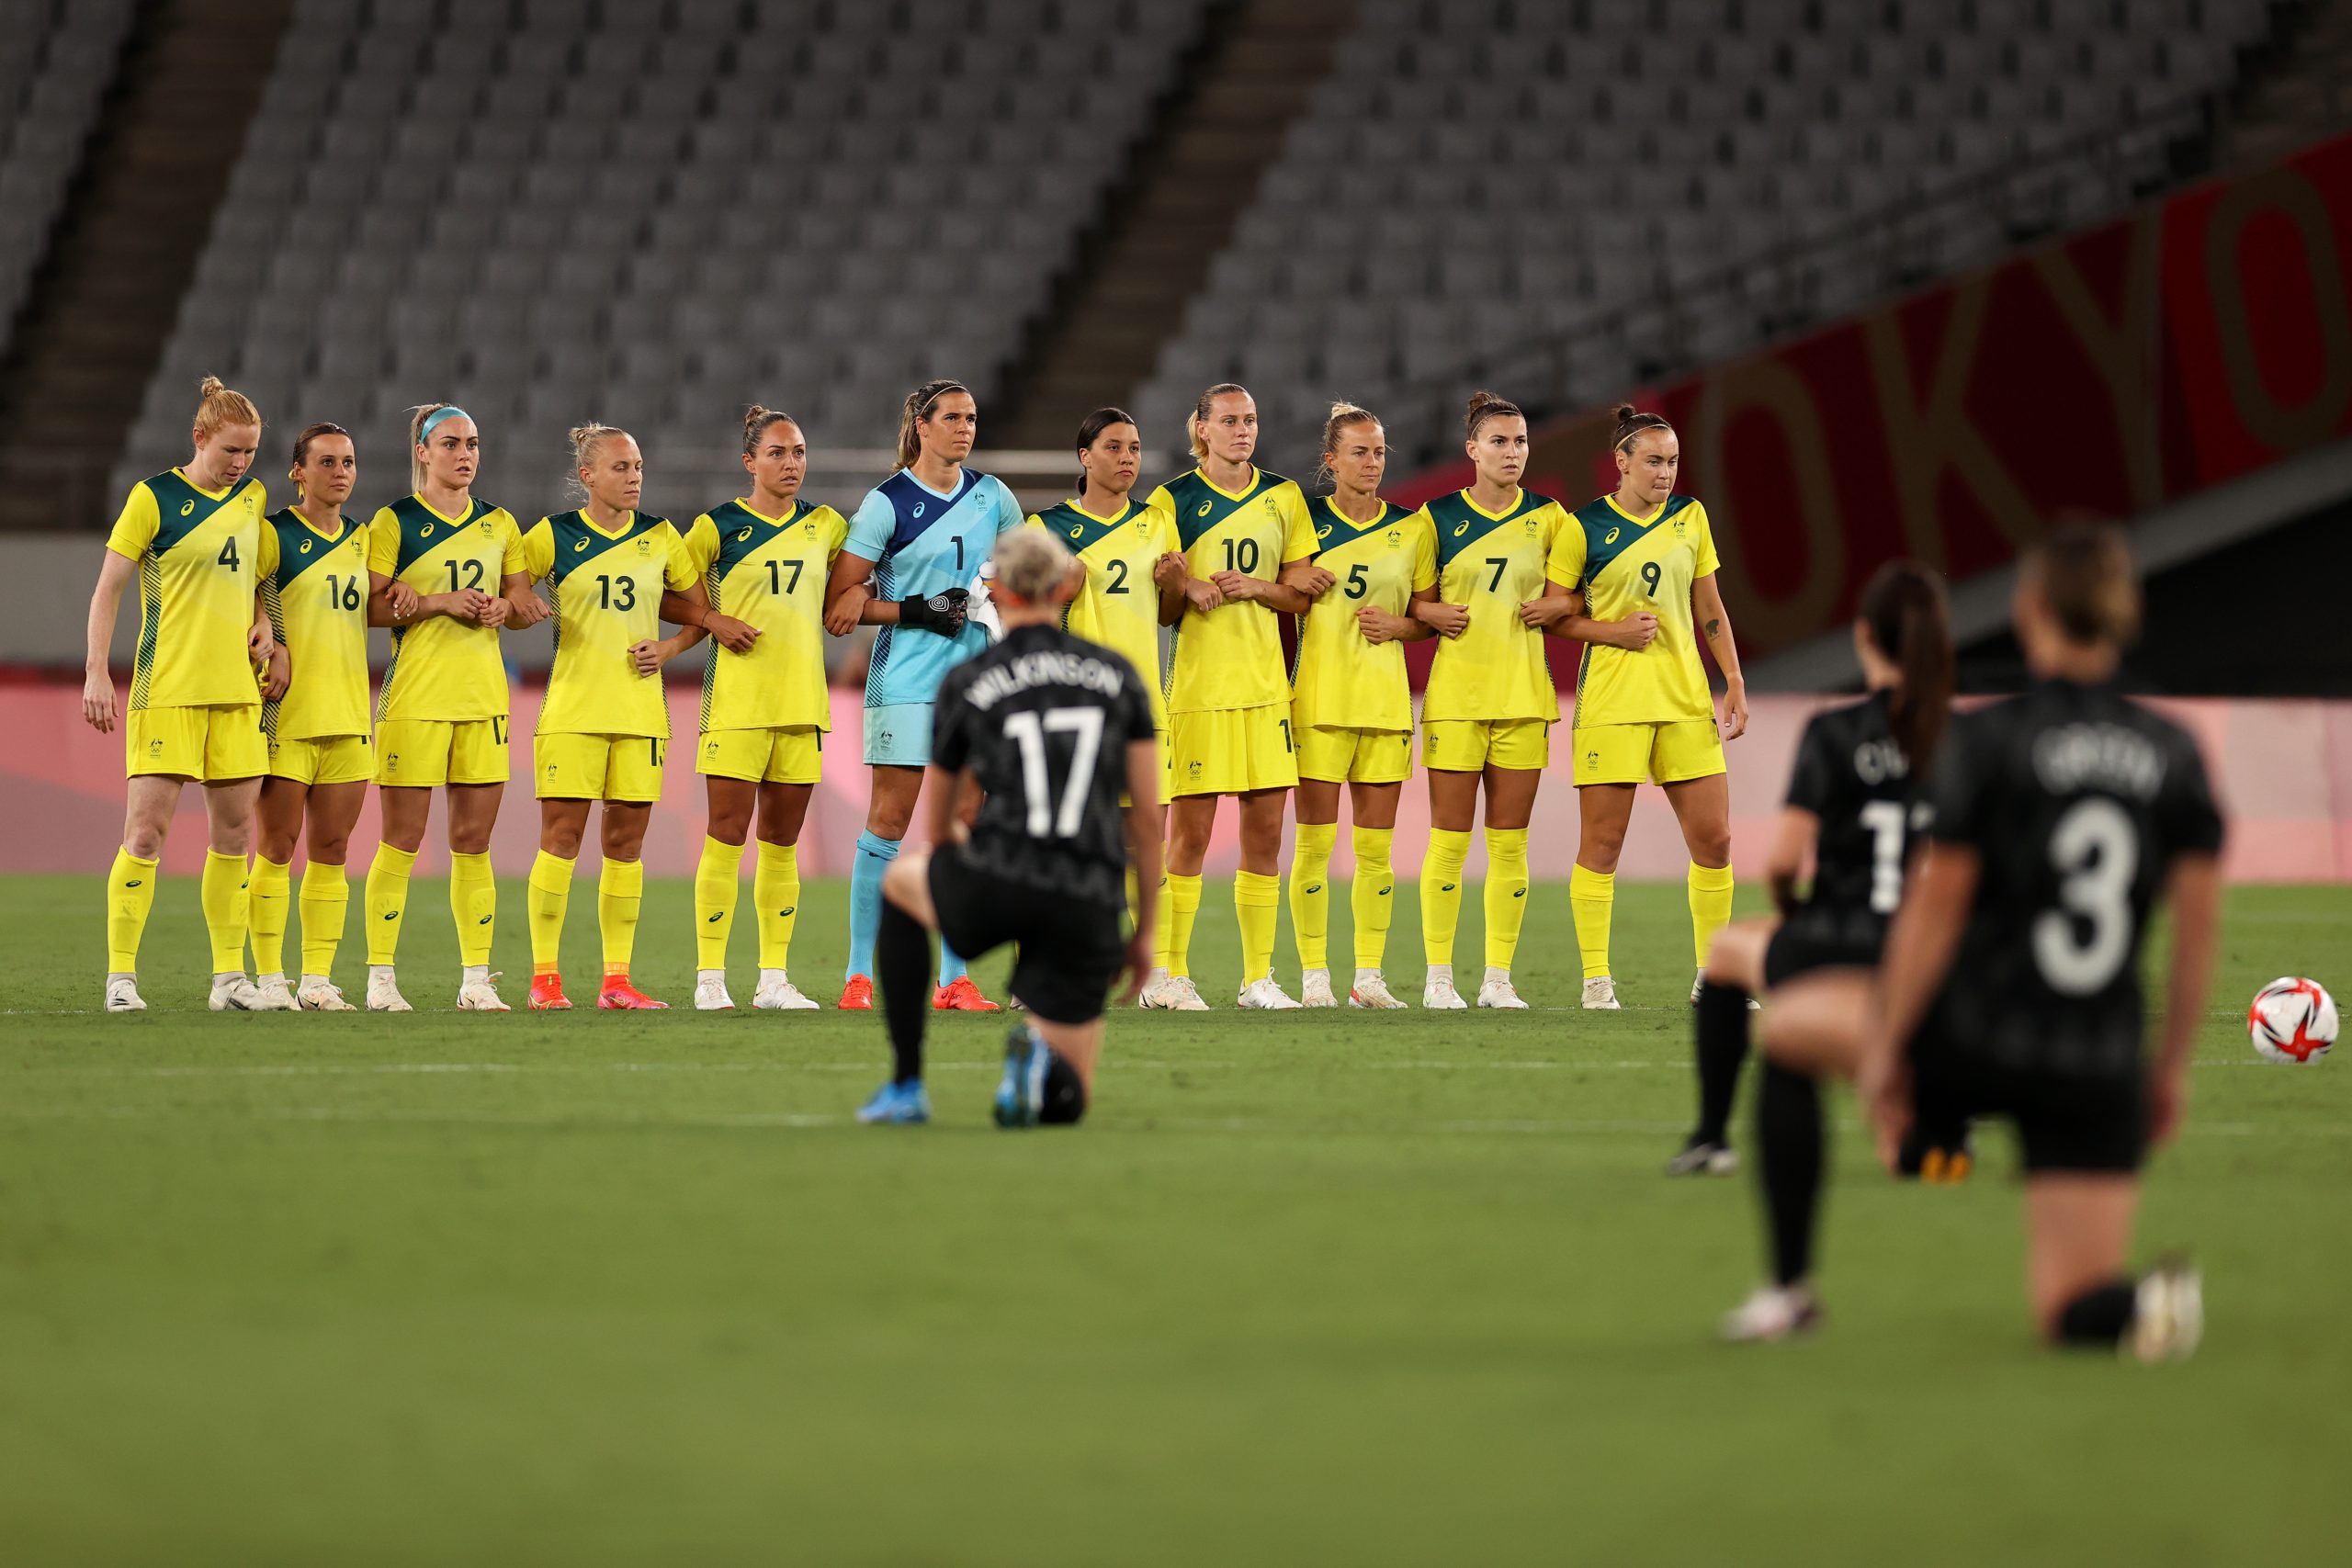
x: 2292, y: 1020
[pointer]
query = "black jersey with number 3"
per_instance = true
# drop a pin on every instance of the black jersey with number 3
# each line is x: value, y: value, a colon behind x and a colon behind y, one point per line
x: 1852, y: 774
x: 1044, y: 720
x: 2078, y: 802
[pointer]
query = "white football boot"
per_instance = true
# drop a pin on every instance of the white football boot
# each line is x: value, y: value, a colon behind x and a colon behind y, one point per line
x: 1773, y: 1314
x: 122, y: 994
x: 319, y: 993
x: 1495, y: 990
x: 1601, y: 994
x: 1315, y: 989
x: 1438, y: 993
x: 1177, y: 994
x: 778, y: 994
x: 478, y: 991
x: 234, y: 993
x: 1265, y: 996
x: 1371, y: 991
x: 2167, y: 1314
x: 277, y: 996
x: 383, y: 992
x: 710, y: 991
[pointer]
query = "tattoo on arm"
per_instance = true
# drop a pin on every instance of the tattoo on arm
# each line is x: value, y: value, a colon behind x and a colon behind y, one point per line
x: 1713, y: 627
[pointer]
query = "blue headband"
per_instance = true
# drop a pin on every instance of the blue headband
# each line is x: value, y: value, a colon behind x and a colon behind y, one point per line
x: 424, y: 431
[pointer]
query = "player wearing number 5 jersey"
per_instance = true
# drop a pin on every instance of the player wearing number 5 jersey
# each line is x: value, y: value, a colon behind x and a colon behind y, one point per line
x: 2011, y: 985
x: 604, y: 724
x: 1245, y: 535
x: 763, y: 562
x: 196, y: 539
x: 320, y: 760
x: 441, y: 713
x: 1643, y: 559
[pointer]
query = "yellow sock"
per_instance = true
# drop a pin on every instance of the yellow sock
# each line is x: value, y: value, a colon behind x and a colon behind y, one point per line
x: 1710, y: 905
x: 267, y: 892
x: 1506, y: 893
x: 1310, y: 893
x: 387, y: 899
x: 1591, y: 896
x: 620, y: 891
x: 776, y: 883
x: 1441, y: 892
x: 1255, y: 899
x: 473, y: 901
x: 131, y: 893
x: 325, y: 895
x: 227, y: 906
x: 714, y: 888
x: 1372, y: 899
x: 544, y: 902
x: 1184, y: 903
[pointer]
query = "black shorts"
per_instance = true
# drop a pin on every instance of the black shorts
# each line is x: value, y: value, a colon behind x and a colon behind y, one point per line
x: 2079, y: 1122
x: 1796, y: 950
x: 1069, y: 948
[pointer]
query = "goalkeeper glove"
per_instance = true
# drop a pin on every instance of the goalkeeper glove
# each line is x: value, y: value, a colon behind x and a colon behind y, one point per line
x: 941, y: 613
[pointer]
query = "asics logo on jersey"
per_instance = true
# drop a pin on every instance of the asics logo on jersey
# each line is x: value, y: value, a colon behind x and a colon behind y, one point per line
x: 1324, y: 532
x: 1204, y: 511
x: 1609, y: 537
x: 743, y: 536
x: 919, y: 506
x: 1460, y: 529
x: 1079, y: 531
x: 579, y: 544
x: 305, y: 547
x: 425, y: 532
x: 187, y: 509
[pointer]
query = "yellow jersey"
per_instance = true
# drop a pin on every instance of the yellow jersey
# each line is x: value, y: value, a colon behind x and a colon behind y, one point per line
x: 1118, y: 605
x: 442, y: 668
x: 315, y: 586
x: 199, y: 553
x: 770, y: 573
x: 1343, y: 680
x: 1232, y: 657
x: 1492, y: 562
x: 607, y: 591
x: 1625, y: 563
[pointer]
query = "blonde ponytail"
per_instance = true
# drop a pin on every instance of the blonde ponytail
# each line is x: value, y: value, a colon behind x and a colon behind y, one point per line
x: 217, y: 407
x: 585, y: 439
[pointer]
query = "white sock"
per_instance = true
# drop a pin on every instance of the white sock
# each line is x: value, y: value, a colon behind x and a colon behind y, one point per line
x: 226, y: 976
x: 310, y: 980
x: 1364, y: 975
x: 277, y: 975
x: 380, y: 971
x: 1440, y: 974
x: 712, y: 976
x: 1158, y: 972
x: 773, y: 977
x: 1307, y: 974
x: 473, y: 973
x: 1497, y: 976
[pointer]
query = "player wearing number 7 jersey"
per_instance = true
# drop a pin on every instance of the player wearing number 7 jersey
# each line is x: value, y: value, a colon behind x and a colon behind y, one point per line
x: 441, y: 712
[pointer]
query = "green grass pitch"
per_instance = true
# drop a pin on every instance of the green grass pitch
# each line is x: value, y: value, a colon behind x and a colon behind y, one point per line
x: 1317, y: 1288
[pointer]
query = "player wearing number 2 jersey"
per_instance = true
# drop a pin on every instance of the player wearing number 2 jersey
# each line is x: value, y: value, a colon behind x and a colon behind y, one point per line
x: 441, y: 712
x: 196, y: 539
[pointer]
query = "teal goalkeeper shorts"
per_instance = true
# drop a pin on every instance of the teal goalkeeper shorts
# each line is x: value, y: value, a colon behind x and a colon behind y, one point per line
x: 899, y: 736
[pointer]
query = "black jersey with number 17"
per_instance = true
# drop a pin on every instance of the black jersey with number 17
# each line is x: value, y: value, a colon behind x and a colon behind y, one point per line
x: 1044, y: 720
x: 2078, y: 802
x: 1852, y: 774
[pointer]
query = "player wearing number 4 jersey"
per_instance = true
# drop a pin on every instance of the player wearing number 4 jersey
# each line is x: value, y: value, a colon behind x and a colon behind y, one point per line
x: 196, y: 539
x: 441, y: 712
x: 604, y: 724
x: 763, y: 563
x: 2011, y: 985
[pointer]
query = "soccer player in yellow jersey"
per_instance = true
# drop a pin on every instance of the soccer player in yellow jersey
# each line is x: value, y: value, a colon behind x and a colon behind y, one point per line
x: 1351, y: 705
x: 194, y: 536
x: 604, y: 723
x: 1642, y: 561
x: 1134, y: 574
x: 1487, y: 716
x: 320, y: 760
x: 761, y: 563
x: 1247, y: 545
x: 441, y: 713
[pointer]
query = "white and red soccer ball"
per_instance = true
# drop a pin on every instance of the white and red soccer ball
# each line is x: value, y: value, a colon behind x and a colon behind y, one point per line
x: 2292, y: 1020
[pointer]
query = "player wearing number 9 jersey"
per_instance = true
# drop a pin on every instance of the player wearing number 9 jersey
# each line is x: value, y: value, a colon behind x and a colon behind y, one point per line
x: 2011, y: 985
x: 441, y: 711
x: 1244, y: 534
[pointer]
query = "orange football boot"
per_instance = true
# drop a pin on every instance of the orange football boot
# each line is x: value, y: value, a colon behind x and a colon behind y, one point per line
x: 619, y: 994
x: 858, y: 995
x: 961, y: 997
x: 547, y: 993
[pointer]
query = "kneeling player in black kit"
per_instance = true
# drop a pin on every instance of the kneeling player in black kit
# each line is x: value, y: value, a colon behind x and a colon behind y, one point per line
x: 1053, y: 731
x: 2011, y: 982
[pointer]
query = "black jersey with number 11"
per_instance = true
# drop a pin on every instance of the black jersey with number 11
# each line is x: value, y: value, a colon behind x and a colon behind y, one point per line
x: 1044, y: 720
x: 1852, y: 774
x: 2078, y: 802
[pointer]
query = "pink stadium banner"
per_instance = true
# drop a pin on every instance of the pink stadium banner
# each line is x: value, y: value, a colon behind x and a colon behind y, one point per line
x: 2284, y: 769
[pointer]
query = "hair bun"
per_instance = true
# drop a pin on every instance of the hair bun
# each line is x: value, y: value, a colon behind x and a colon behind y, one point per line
x: 1624, y: 413
x: 210, y: 385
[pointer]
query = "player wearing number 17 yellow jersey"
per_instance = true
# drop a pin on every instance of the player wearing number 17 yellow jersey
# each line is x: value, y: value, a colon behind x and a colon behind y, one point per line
x: 763, y: 563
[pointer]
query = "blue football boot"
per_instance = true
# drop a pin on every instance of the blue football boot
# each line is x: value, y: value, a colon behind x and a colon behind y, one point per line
x: 1021, y: 1094
x: 897, y: 1105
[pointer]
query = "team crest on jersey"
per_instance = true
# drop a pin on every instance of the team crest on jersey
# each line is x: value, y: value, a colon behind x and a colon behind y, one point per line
x: 1396, y: 537
x: 644, y: 544
x: 808, y: 530
x: 1193, y: 768
x: 1530, y: 527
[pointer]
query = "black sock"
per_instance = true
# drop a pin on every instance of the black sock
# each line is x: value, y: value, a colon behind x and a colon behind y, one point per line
x: 1789, y: 1157
x: 1065, y: 1092
x: 1723, y: 1046
x: 902, y: 974
x: 2099, y: 1316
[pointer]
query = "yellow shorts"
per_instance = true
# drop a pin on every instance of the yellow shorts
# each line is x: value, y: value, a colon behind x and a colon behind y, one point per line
x: 323, y: 759
x: 792, y: 754
x: 1343, y: 755
x: 418, y: 754
x: 1474, y: 745
x: 1231, y: 751
x: 1660, y: 753
x: 597, y: 767
x: 211, y: 744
